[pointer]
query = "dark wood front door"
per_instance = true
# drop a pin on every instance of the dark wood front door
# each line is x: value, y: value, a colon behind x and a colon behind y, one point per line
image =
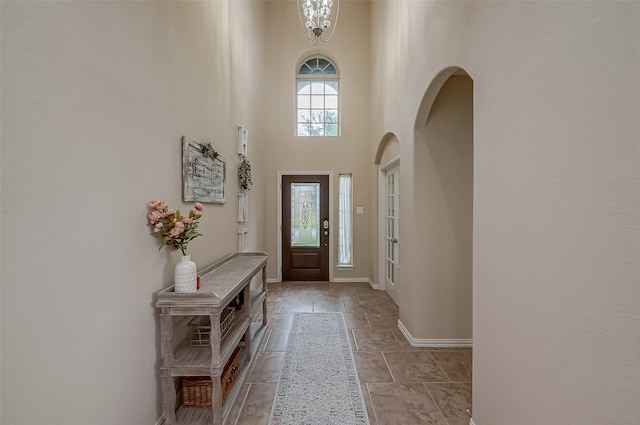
x: 305, y: 227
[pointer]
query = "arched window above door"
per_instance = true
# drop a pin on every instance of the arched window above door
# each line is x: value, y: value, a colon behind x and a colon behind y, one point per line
x: 317, y: 98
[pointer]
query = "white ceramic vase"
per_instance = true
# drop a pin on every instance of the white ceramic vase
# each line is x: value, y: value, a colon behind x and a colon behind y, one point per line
x: 186, y: 275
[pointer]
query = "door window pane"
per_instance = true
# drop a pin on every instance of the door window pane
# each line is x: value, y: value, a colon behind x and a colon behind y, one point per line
x: 305, y: 213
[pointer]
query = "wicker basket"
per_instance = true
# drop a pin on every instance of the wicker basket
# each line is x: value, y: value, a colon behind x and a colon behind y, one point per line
x: 200, y: 327
x: 198, y: 390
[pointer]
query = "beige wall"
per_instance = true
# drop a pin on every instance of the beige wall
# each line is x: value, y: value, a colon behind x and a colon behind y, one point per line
x: 556, y: 300
x: 351, y: 152
x: 95, y: 99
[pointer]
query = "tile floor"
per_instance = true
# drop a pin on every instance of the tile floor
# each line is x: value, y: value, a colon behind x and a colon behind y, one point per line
x: 401, y: 384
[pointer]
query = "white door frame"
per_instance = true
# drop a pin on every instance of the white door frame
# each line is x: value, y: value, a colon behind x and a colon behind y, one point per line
x: 279, y: 215
x: 382, y: 170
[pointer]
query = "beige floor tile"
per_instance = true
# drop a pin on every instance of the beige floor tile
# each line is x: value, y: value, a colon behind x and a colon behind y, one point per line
x: 389, y: 403
x: 273, y: 304
x: 273, y: 307
x: 334, y: 306
x: 382, y: 321
x: 405, y: 404
x: 373, y: 295
x: 313, y: 296
x: 281, y: 321
x: 372, y: 367
x: 267, y: 367
x: 453, y: 400
x: 355, y: 306
x: 237, y: 406
x: 277, y: 340
x: 414, y: 366
x: 367, y: 403
x: 301, y: 307
x: 387, y: 307
x: 256, y: 409
x: 455, y: 363
x: 375, y: 340
x: 356, y: 321
x: 342, y: 293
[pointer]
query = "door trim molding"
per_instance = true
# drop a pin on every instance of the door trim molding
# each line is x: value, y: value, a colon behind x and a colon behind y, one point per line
x: 279, y: 216
x: 433, y: 342
x: 381, y: 220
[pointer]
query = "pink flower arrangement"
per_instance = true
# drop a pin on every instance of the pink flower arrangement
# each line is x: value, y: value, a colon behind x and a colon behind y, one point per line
x: 168, y: 224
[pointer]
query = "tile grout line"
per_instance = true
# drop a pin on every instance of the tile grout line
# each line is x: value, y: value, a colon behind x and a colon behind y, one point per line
x: 399, y: 342
x: 378, y: 307
x: 266, y: 340
x: 388, y: 367
x: 439, y: 367
x: 244, y: 399
x: 354, y: 339
x: 375, y: 415
x: 367, y: 319
x: 434, y: 402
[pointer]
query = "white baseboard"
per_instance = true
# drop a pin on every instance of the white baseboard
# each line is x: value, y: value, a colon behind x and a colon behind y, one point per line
x: 356, y: 280
x: 429, y: 342
x: 351, y: 279
x: 341, y: 280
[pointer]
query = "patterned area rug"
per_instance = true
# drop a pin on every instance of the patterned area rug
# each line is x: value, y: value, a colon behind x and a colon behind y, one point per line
x: 318, y: 384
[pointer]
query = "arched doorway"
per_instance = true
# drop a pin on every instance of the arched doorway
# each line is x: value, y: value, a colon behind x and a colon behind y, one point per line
x: 442, y: 210
x: 388, y: 161
x: 441, y: 304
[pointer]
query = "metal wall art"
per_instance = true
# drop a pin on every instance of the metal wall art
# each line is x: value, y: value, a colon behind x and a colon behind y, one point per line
x: 203, y: 172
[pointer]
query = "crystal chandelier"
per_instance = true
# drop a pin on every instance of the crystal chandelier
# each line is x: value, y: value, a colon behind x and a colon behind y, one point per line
x: 314, y: 17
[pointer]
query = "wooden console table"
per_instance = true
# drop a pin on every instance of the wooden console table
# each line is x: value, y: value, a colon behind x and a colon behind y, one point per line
x: 225, y: 282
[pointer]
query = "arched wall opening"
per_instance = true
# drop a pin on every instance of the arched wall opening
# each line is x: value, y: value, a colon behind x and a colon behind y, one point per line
x: 388, y: 148
x: 442, y: 208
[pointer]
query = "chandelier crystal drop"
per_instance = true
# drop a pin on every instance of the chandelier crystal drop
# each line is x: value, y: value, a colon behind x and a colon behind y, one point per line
x: 315, y: 18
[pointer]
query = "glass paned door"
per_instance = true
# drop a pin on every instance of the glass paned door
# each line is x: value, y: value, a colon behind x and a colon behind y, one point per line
x: 305, y: 227
x: 392, y: 221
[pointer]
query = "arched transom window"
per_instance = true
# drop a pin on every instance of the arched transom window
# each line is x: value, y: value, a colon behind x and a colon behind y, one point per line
x: 317, y: 98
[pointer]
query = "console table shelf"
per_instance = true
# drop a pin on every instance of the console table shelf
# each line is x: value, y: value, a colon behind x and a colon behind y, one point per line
x: 226, y: 282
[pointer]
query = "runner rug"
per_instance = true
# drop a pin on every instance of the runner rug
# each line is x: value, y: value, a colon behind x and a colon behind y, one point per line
x: 318, y: 384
